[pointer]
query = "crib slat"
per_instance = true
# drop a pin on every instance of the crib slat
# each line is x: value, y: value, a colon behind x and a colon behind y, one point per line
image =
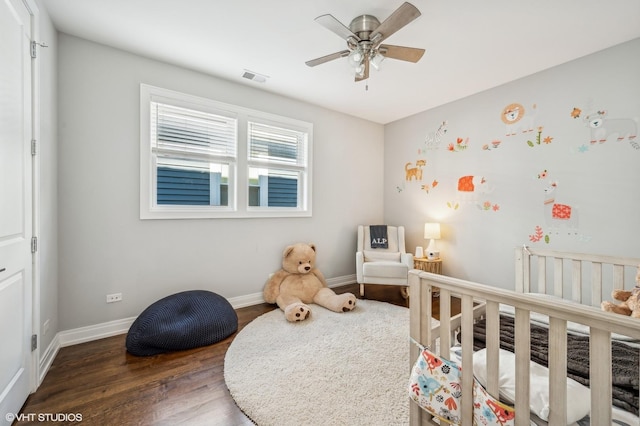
x: 542, y: 274
x: 600, y: 376
x: 618, y: 277
x: 445, y: 323
x: 596, y: 284
x: 419, y: 330
x: 493, y: 348
x: 558, y: 371
x: 523, y: 355
x: 576, y: 281
x: 558, y: 283
x: 466, y: 408
x: 522, y: 268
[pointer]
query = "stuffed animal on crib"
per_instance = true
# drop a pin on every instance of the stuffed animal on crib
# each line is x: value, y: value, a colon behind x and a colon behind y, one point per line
x: 629, y: 301
x: 299, y: 283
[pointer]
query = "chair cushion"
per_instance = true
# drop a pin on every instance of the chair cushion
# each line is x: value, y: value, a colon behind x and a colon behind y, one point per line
x: 384, y: 269
x: 373, y: 255
x: 185, y: 320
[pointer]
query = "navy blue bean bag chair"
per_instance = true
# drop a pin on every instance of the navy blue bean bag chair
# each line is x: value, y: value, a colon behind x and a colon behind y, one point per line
x: 185, y: 320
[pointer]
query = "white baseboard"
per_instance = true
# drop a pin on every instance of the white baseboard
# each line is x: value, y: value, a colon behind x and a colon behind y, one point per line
x: 46, y: 359
x: 121, y: 326
x: 94, y: 332
x: 343, y: 280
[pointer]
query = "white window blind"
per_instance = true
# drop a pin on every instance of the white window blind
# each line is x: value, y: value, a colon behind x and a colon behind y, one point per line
x: 278, y: 145
x: 186, y: 133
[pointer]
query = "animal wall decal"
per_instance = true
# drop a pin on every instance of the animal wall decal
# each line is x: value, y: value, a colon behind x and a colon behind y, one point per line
x: 472, y: 190
x: 602, y: 128
x: 517, y: 119
x: 471, y: 184
x: 559, y: 215
x: 433, y: 139
x: 414, y: 172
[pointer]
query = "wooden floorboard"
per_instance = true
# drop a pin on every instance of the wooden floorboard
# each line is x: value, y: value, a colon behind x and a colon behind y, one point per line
x: 106, y: 385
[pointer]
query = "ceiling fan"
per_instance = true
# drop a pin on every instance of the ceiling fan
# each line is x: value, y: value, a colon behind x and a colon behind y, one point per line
x: 364, y: 38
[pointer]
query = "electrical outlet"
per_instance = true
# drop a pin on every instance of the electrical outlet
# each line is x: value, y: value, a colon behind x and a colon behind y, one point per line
x: 115, y: 297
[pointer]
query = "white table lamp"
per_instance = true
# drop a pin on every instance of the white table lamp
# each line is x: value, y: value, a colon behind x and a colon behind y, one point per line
x: 432, y: 233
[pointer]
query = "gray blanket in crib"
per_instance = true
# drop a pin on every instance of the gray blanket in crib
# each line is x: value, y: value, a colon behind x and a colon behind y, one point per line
x: 625, y: 359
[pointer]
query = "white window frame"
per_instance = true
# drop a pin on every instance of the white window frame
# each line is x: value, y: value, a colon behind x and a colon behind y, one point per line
x: 238, y: 189
x: 300, y: 169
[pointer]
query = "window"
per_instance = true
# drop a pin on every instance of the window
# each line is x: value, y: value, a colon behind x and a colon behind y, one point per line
x: 277, y: 163
x: 204, y: 159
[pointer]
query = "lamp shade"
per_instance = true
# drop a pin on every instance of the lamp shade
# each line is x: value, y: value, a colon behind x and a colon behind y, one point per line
x: 432, y: 231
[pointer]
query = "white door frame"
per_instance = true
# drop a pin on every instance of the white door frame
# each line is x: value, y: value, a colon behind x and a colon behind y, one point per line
x: 33, y: 9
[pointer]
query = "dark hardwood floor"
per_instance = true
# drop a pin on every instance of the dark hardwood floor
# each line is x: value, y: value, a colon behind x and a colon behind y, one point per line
x: 105, y: 385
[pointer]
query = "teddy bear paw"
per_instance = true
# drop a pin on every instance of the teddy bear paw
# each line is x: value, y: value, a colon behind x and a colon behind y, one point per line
x: 348, y: 303
x: 606, y: 306
x: 297, y: 312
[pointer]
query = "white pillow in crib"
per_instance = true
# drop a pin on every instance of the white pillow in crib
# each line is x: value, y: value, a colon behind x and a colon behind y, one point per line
x: 578, y: 396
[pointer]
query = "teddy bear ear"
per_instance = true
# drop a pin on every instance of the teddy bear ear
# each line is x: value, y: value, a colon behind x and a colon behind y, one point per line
x: 313, y: 246
x: 287, y: 251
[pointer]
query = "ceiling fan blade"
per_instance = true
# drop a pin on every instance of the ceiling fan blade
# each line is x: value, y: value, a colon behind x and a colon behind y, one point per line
x: 410, y: 54
x: 332, y: 24
x: 365, y: 74
x: 327, y: 58
x: 398, y: 19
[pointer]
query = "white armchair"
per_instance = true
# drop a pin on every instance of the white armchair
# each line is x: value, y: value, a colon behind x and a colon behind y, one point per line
x: 389, y: 266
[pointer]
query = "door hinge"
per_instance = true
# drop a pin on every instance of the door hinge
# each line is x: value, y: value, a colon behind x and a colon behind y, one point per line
x: 34, y: 146
x: 34, y: 342
x: 34, y: 244
x: 34, y: 48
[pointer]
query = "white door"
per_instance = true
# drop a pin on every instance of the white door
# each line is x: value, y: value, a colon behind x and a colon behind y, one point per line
x: 15, y: 209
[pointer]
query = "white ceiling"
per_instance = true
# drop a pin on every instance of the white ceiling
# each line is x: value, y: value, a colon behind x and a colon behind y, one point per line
x: 470, y: 45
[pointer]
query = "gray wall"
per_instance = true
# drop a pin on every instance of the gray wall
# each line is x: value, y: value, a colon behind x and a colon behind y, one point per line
x: 105, y: 248
x: 600, y: 181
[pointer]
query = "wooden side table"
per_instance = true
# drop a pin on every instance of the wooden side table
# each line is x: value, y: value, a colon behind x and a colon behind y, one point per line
x: 428, y: 265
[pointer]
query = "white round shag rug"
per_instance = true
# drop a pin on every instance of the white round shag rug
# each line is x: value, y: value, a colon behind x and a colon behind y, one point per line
x: 347, y: 368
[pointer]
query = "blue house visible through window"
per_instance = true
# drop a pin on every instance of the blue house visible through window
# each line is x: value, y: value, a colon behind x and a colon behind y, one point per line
x: 190, y: 187
x: 199, y: 187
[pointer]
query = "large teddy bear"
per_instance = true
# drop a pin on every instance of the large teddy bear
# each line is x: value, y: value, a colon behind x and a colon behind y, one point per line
x: 629, y: 301
x: 299, y: 283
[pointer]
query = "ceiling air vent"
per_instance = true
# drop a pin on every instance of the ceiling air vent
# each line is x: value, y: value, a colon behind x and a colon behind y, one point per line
x: 254, y: 76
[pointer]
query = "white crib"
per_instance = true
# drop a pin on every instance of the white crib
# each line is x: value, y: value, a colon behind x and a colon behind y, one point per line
x: 579, y: 283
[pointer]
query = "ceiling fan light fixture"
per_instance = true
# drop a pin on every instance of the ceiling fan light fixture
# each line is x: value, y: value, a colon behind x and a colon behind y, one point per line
x: 359, y: 69
x: 355, y: 58
x: 376, y: 60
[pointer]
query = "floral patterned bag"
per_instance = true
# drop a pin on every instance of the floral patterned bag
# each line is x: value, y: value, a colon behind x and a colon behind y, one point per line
x: 436, y: 386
